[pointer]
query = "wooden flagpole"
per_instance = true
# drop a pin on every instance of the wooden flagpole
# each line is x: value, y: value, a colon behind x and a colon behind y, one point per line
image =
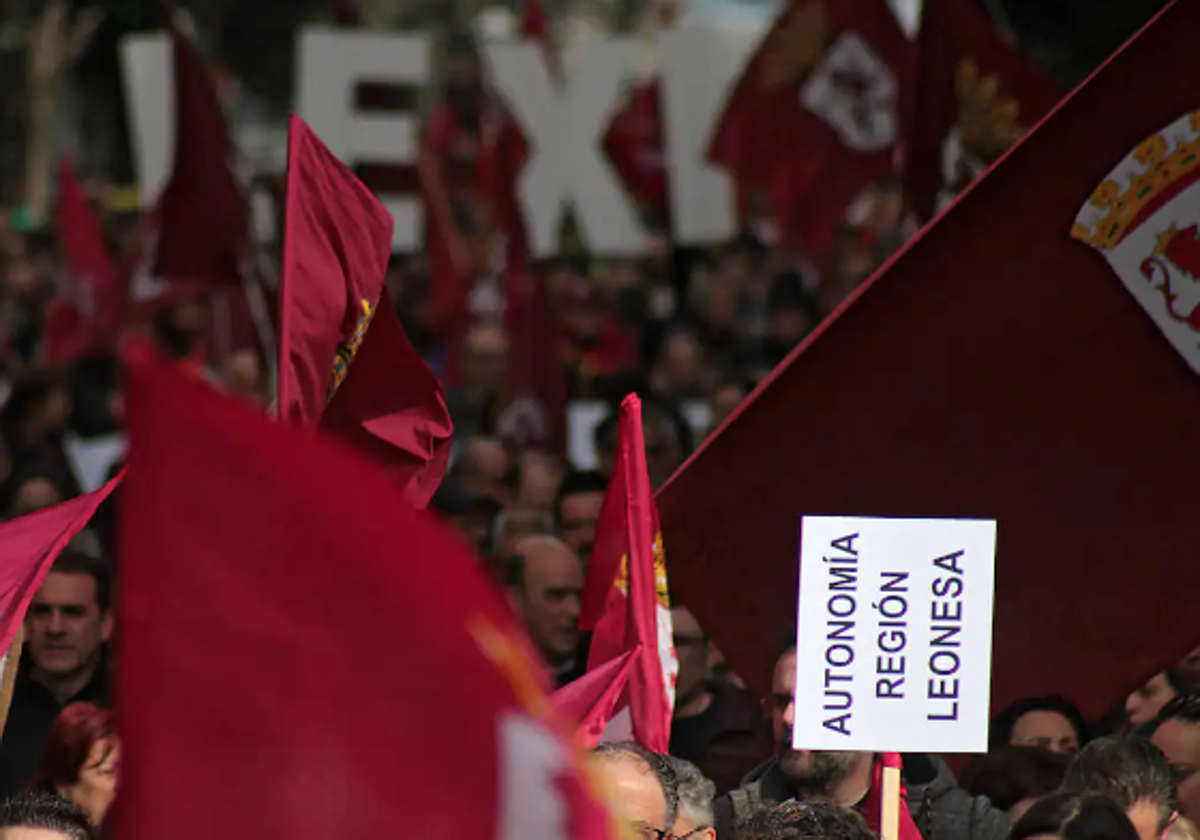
x: 889, y: 822
x: 12, y: 661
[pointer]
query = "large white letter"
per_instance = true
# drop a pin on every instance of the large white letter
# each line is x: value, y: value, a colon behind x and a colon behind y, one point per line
x: 565, y: 125
x: 700, y: 67
x: 149, y: 76
x: 329, y: 66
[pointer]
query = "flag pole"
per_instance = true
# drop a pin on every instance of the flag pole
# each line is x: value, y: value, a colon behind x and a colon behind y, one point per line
x: 889, y: 822
x: 12, y: 661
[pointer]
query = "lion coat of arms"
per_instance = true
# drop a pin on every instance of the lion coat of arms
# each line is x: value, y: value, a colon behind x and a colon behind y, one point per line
x: 1145, y: 219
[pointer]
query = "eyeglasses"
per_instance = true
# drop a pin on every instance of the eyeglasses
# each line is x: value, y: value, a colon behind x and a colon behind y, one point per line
x: 649, y: 832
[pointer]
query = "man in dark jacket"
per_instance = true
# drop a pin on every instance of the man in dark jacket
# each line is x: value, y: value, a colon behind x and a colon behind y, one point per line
x: 940, y: 809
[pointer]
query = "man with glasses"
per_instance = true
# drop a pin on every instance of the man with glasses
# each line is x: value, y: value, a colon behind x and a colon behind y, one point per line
x: 717, y: 726
x: 641, y: 787
x: 940, y: 809
x: 696, y: 794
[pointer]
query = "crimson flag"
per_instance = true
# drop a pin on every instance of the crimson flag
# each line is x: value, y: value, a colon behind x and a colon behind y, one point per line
x: 337, y: 243
x: 634, y: 145
x: 625, y: 599
x: 83, y: 317
x: 345, y: 364
x: 591, y: 700
x: 392, y: 410
x: 815, y: 117
x: 203, y: 218
x: 29, y: 546
x: 316, y: 657
x: 997, y: 368
x: 976, y: 96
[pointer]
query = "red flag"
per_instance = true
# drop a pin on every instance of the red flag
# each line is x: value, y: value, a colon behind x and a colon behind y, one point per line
x: 634, y: 145
x: 628, y: 576
x: 337, y: 243
x: 977, y: 96
x: 392, y: 410
x: 203, y: 219
x: 345, y: 363
x: 28, y: 547
x: 592, y: 699
x: 536, y: 27
x: 815, y: 116
x: 301, y: 581
x: 84, y: 316
x: 996, y: 368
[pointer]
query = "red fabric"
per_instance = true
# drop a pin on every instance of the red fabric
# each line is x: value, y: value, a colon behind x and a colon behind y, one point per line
x: 337, y: 242
x: 872, y: 809
x: 392, y: 410
x: 591, y: 700
x: 536, y: 27
x: 634, y: 145
x: 28, y: 547
x: 203, y: 218
x: 954, y: 32
x: 995, y: 368
x: 300, y: 582
x: 84, y: 317
x: 345, y: 364
x: 768, y: 139
x: 622, y: 573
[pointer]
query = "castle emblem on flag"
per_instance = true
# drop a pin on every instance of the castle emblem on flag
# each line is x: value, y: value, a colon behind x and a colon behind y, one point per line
x: 661, y: 591
x: 1145, y: 219
x: 348, y: 349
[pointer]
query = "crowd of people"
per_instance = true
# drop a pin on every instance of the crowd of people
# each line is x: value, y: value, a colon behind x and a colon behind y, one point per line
x: 690, y: 329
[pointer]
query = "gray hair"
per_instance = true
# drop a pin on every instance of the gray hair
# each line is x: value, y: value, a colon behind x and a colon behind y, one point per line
x: 662, y: 767
x: 696, y: 793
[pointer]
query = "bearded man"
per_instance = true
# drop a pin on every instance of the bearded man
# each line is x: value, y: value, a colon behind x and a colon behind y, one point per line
x: 940, y: 809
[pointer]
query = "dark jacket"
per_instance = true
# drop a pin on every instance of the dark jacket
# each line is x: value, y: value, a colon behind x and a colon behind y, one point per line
x: 939, y: 807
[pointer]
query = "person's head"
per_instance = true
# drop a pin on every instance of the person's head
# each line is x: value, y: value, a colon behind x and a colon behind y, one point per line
x: 793, y: 311
x: 1051, y: 722
x: 33, y: 489
x: 1074, y: 816
x: 69, y: 620
x: 577, y: 509
x: 1144, y: 704
x: 81, y: 759
x: 692, y: 647
x: 544, y: 579
x: 40, y: 404
x: 696, y: 793
x: 813, y: 772
x: 1133, y: 773
x: 726, y: 398
x: 792, y: 820
x: 1178, y: 736
x: 1012, y: 778
x: 641, y: 786
x: 680, y: 367
x: 471, y: 514
x: 37, y: 815
x: 539, y: 477
x: 485, y: 357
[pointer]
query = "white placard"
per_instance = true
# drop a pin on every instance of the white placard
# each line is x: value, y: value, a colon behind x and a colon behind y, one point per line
x: 894, y: 644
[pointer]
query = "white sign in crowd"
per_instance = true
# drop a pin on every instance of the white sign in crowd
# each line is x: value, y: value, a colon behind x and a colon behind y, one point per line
x: 894, y: 634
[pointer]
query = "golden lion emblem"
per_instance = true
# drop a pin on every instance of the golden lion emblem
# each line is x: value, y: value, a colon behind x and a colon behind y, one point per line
x: 347, y: 350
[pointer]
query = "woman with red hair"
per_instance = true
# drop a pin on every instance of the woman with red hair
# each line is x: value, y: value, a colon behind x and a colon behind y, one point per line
x: 81, y: 759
